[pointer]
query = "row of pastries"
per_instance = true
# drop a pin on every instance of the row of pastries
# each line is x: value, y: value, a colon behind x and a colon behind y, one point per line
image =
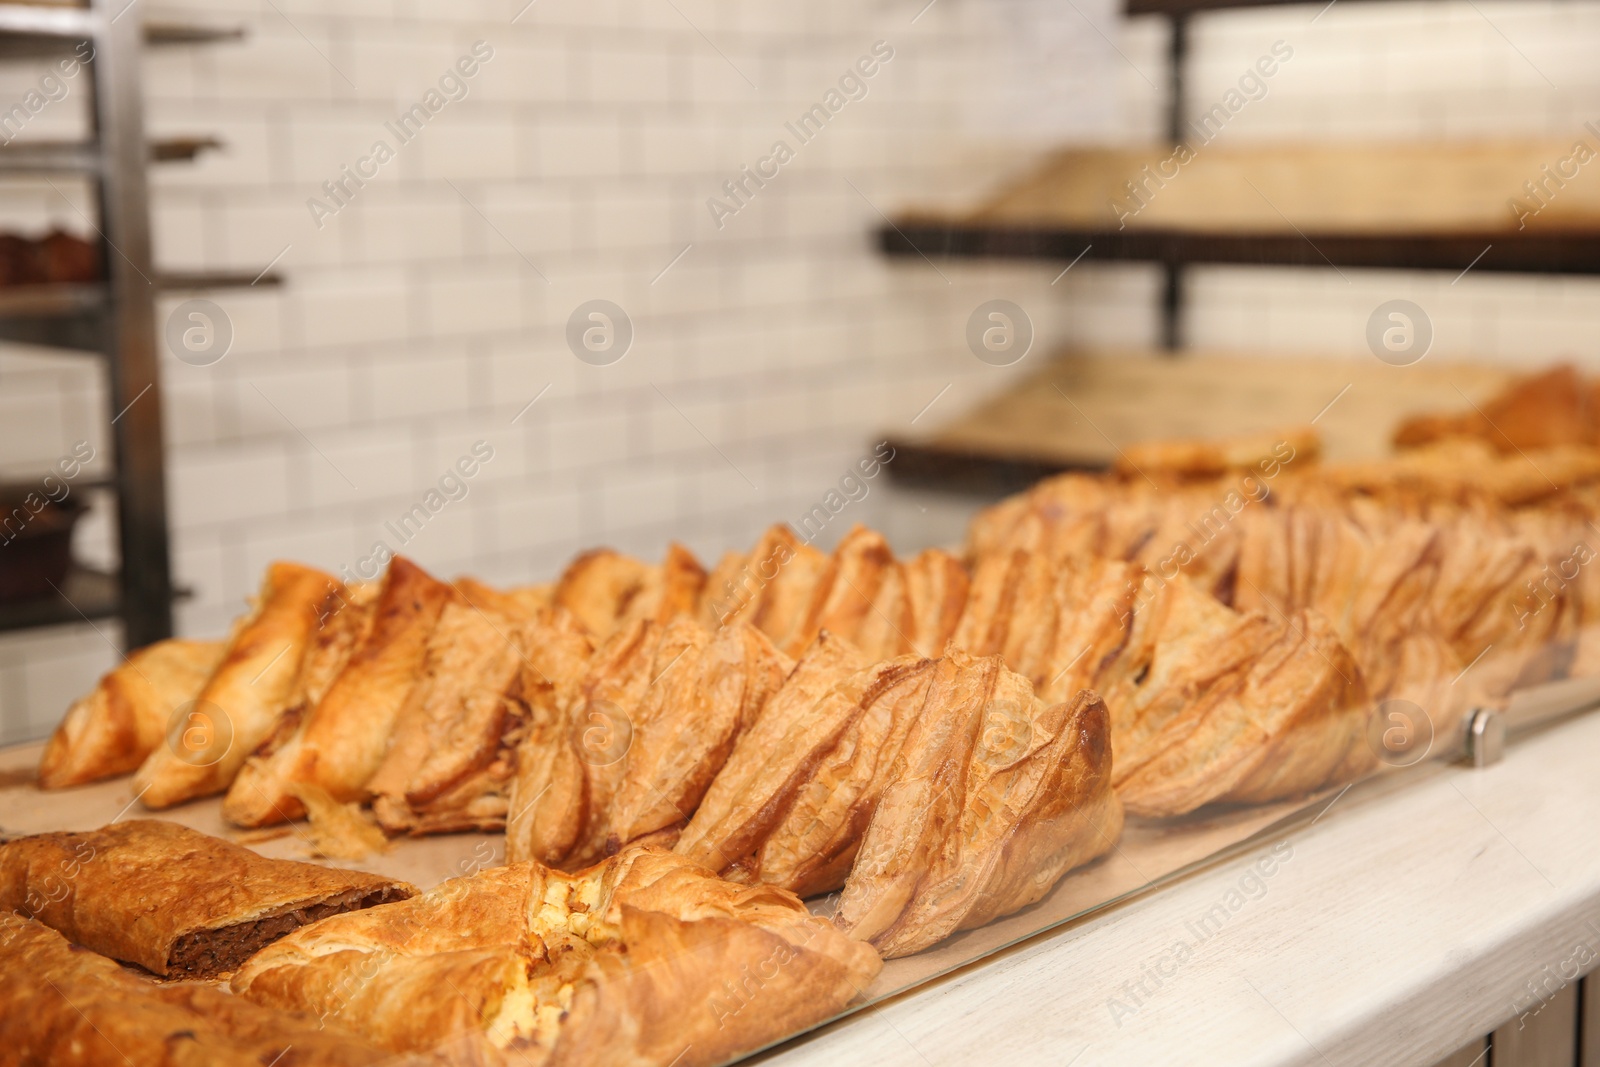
x: 678, y: 755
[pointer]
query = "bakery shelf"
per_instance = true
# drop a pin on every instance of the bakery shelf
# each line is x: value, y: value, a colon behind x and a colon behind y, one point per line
x: 87, y: 594
x: 84, y: 157
x: 114, y: 319
x: 1438, y: 207
x: 168, y: 32
x: 72, y: 318
x: 1536, y: 253
x: 30, y: 301
x: 1388, y: 196
x: 181, y: 149
x: 49, y: 157
x: 32, y: 30
x: 185, y: 281
x: 1198, y: 7
x: 1077, y: 409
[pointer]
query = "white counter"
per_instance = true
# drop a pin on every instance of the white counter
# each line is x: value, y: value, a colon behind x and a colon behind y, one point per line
x: 1391, y: 931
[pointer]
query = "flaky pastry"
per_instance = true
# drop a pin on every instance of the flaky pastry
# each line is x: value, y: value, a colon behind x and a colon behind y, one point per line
x: 175, y: 901
x: 250, y: 688
x: 993, y: 797
x: 644, y: 959
x: 650, y: 726
x: 65, y: 1007
x: 342, y: 739
x: 112, y: 729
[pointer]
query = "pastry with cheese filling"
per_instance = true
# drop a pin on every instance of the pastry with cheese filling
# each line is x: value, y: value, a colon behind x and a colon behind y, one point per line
x: 646, y: 958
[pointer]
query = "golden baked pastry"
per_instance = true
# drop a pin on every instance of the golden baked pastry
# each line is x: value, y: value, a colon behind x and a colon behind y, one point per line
x: 65, y: 1007
x: 175, y: 901
x: 339, y: 741
x: 633, y: 751
x: 837, y: 775
x: 770, y: 589
x: 812, y: 842
x: 1182, y: 641
x: 859, y: 595
x: 1054, y: 622
x: 791, y: 592
x: 1212, y: 458
x: 1552, y: 407
x: 492, y: 670
x: 1468, y: 470
x: 1289, y: 719
x: 250, y: 688
x: 776, y: 756
x: 990, y: 802
x: 605, y: 589
x: 469, y: 665
x: 937, y: 584
x: 521, y: 600
x: 112, y: 730
x: 645, y: 958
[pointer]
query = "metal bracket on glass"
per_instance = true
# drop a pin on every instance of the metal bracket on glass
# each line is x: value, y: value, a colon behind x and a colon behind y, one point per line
x: 1484, y: 733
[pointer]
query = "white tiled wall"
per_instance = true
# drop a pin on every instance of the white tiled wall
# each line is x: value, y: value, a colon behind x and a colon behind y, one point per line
x: 429, y: 312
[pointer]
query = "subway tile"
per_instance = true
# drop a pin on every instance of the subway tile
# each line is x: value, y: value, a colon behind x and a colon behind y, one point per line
x: 423, y: 316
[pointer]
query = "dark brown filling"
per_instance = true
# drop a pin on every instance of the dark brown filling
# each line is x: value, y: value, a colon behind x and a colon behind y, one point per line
x: 208, y: 953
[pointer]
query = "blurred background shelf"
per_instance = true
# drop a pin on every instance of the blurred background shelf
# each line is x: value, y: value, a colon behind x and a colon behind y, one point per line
x: 1533, y: 253
x: 1445, y: 206
x: 32, y: 30
x: 1196, y: 7
x: 86, y: 595
x: 1079, y: 408
x: 46, y: 157
x: 196, y: 280
x: 163, y: 31
x: 115, y: 317
x: 72, y: 317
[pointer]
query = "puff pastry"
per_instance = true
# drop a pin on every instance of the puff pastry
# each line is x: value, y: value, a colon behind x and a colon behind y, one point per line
x: 775, y: 757
x: 991, y: 801
x: 604, y: 589
x: 1289, y: 719
x: 340, y: 741
x: 493, y: 670
x: 791, y: 592
x: 112, y: 730
x: 65, y: 1007
x: 770, y: 589
x: 811, y: 846
x: 1213, y: 458
x: 644, y: 959
x: 1552, y: 407
x: 650, y: 726
x: 469, y: 664
x: 1054, y: 622
x: 176, y: 902
x: 250, y: 688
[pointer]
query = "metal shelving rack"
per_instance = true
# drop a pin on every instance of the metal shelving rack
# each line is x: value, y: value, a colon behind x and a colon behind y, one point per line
x: 113, y: 319
x: 1542, y: 252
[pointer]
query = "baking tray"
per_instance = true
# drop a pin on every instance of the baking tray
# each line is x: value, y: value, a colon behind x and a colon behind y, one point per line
x: 1150, y: 854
